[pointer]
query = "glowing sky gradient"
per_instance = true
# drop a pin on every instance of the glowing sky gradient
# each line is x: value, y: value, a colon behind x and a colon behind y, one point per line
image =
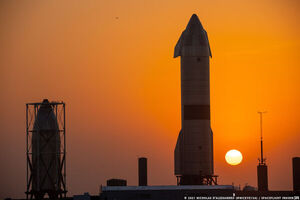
x: 112, y: 63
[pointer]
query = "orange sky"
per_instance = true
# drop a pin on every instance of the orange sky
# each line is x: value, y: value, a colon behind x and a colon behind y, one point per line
x: 122, y: 85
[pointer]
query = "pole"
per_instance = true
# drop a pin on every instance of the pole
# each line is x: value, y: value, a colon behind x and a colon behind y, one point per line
x: 261, y: 138
x: 27, y: 152
x: 65, y: 167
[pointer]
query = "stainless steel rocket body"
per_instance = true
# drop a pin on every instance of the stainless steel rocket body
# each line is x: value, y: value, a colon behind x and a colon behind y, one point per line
x: 194, y: 148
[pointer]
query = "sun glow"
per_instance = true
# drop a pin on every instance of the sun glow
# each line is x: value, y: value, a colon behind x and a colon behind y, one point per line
x: 233, y: 157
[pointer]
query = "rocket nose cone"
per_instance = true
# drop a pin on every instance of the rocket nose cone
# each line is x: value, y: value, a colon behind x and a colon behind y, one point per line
x: 193, y: 40
x: 45, y: 101
x: 194, y: 23
x: 194, y: 17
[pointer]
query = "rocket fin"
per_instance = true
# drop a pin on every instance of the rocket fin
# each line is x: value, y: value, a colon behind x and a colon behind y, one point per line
x: 208, y: 43
x: 177, y: 153
x: 178, y: 47
x: 212, y: 151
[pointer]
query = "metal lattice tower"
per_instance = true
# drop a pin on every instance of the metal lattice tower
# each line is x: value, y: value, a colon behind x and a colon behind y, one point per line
x: 46, y: 150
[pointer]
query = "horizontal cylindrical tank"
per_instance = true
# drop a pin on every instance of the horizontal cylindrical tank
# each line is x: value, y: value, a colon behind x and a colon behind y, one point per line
x: 116, y: 182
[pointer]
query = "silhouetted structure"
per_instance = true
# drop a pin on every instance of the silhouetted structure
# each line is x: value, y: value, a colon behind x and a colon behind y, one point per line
x: 262, y: 177
x: 296, y: 174
x: 142, y: 171
x: 262, y: 168
x: 84, y: 196
x: 116, y: 182
x: 45, y: 143
x: 194, y: 148
x: 166, y: 192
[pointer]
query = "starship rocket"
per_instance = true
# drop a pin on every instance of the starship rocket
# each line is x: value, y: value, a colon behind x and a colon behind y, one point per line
x: 194, y: 148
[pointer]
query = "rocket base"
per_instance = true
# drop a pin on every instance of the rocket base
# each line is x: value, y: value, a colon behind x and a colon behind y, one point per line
x: 197, y: 180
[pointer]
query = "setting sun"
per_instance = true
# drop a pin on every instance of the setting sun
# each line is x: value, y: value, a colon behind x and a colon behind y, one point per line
x: 233, y: 157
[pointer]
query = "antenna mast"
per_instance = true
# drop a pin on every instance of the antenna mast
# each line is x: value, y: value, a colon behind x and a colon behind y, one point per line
x: 262, y: 159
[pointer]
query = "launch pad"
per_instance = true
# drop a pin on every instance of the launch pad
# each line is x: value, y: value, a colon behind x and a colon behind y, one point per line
x: 197, y: 180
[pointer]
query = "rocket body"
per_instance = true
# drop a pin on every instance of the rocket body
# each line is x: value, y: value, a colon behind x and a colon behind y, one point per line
x: 194, y: 148
x: 45, y: 152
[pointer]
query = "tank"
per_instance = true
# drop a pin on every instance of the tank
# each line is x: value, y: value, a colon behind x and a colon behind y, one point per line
x: 262, y: 177
x: 116, y: 182
x: 296, y: 173
x: 142, y: 171
x: 45, y: 152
